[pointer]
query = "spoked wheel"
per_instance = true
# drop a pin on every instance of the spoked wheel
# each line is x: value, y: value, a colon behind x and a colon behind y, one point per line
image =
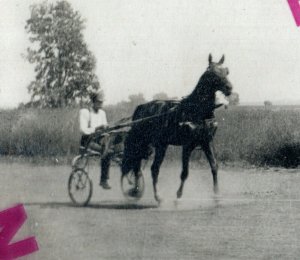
x: 80, y: 187
x: 133, y: 187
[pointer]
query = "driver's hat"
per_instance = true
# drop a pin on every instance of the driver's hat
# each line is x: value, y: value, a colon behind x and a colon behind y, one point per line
x: 97, y: 96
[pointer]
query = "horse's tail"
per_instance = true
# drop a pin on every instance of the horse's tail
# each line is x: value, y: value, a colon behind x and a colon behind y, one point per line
x: 136, y: 148
x: 137, y: 144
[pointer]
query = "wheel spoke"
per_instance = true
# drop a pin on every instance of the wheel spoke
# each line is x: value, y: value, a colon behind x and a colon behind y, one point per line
x: 80, y: 187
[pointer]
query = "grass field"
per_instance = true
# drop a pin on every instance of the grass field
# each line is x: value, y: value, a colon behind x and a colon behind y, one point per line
x: 251, y: 135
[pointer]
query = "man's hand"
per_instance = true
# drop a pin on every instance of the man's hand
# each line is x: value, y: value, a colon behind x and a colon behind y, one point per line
x: 101, y: 128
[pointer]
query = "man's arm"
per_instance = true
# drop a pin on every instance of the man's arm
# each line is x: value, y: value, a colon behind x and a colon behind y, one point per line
x: 84, y: 118
x: 104, y: 119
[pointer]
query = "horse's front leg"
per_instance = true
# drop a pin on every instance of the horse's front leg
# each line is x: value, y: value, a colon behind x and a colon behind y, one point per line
x: 186, y: 153
x: 158, y: 159
x: 209, y: 151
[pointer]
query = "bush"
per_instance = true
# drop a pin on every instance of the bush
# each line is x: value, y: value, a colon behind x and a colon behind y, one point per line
x: 257, y: 136
x: 42, y: 132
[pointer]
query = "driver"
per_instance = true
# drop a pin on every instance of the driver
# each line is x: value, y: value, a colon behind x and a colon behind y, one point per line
x: 91, y: 120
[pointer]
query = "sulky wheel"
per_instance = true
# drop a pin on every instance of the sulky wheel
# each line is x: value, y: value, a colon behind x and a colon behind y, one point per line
x: 133, y: 187
x: 79, y: 162
x: 80, y: 187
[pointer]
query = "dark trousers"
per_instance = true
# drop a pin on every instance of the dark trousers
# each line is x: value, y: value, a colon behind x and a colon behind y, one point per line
x: 84, y: 141
x: 104, y: 162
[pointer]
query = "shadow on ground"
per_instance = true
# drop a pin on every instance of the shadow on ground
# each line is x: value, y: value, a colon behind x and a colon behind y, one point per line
x: 102, y: 205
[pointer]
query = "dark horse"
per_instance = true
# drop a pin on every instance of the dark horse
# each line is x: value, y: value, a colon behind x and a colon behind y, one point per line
x: 188, y: 123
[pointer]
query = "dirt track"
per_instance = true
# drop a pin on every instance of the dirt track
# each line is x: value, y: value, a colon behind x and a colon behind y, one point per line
x: 256, y: 216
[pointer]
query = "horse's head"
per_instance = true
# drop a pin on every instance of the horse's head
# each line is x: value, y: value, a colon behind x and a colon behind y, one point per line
x: 218, y: 76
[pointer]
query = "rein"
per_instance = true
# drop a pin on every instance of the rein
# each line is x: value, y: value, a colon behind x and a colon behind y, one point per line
x: 145, y: 119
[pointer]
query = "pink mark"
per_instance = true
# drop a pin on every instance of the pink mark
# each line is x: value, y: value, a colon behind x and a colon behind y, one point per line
x: 10, y: 222
x: 295, y: 8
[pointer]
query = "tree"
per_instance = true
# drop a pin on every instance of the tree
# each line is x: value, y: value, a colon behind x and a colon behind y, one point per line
x: 124, y: 108
x: 64, y: 66
x: 234, y: 99
x: 267, y: 103
x: 160, y: 96
x: 136, y: 99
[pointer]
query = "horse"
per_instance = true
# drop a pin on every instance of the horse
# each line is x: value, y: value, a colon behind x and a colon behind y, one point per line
x: 188, y: 123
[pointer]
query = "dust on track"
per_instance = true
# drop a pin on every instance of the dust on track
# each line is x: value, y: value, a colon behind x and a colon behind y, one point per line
x: 256, y: 215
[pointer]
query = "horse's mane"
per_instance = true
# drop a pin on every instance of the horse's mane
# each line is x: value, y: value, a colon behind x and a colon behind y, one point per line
x: 203, y: 86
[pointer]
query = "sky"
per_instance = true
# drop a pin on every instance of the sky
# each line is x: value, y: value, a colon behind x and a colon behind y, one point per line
x: 152, y: 46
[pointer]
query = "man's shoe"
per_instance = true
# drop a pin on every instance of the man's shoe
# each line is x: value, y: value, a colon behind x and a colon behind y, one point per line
x: 105, y: 185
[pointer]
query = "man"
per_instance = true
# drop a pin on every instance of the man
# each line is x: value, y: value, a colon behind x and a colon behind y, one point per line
x: 92, y: 120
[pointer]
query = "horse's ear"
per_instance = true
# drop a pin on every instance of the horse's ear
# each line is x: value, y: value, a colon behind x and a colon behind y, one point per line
x: 209, y: 59
x: 221, y: 60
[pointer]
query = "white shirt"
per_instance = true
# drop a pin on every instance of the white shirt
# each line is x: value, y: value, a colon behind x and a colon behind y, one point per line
x: 90, y: 120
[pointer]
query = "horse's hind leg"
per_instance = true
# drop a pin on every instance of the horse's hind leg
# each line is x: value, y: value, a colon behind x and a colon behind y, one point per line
x: 186, y: 153
x: 137, y: 172
x: 208, y: 149
x: 158, y: 159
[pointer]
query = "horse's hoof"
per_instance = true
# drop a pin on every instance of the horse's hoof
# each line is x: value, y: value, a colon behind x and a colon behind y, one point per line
x: 158, y: 198
x: 216, y: 190
x: 216, y: 198
x: 179, y: 194
x: 133, y: 192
